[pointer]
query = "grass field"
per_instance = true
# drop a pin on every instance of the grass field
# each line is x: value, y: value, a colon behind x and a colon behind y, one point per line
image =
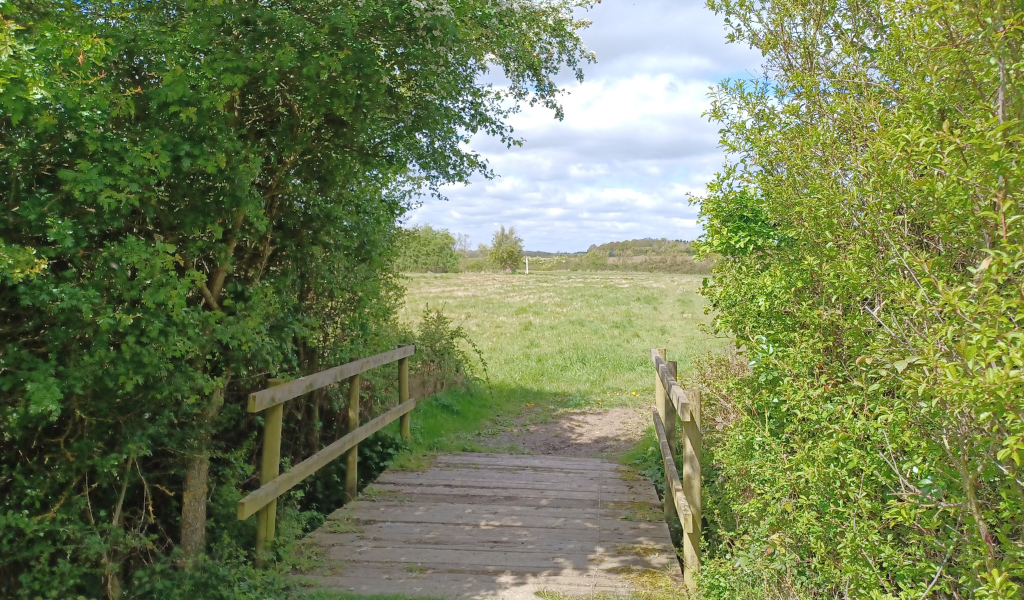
x: 555, y: 342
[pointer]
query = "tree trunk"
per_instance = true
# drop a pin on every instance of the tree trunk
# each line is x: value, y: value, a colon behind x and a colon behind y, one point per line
x: 193, y: 505
x: 197, y: 475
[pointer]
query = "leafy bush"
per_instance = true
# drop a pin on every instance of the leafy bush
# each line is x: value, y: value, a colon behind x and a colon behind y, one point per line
x: 872, y: 271
x: 198, y: 196
x: 506, y: 251
x: 427, y: 250
x: 441, y: 358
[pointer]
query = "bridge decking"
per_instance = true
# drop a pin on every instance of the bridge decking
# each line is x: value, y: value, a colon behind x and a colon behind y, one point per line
x: 496, y: 526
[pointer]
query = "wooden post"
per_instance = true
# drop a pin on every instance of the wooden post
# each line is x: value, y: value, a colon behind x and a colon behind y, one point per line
x: 660, y: 395
x: 403, y: 396
x: 352, y: 466
x: 670, y: 415
x: 665, y: 408
x: 668, y: 419
x: 270, y: 468
x: 692, y: 443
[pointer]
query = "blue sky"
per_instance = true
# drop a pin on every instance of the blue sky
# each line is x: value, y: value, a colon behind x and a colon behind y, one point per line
x: 632, y: 146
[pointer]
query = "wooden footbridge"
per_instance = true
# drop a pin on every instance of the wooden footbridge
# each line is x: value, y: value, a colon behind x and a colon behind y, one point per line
x: 489, y: 525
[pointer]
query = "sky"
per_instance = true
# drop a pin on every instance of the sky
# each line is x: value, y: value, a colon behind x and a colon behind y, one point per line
x: 633, y: 145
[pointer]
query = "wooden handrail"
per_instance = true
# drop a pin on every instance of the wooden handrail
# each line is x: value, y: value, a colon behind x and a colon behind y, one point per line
x: 674, y: 391
x: 682, y: 496
x: 673, y: 486
x: 275, y: 395
x: 253, y: 502
x: 263, y: 502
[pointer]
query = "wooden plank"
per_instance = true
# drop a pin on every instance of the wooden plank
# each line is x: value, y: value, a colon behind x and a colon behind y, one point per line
x: 269, y: 397
x: 672, y: 477
x: 423, y: 534
x: 553, y: 562
x: 505, y: 520
x: 539, y: 545
x: 674, y: 391
x: 531, y: 498
x: 256, y: 500
x: 438, y: 582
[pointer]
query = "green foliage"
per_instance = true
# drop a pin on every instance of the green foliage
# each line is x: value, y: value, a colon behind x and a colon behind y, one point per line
x: 424, y: 249
x: 506, y: 251
x: 646, y: 255
x: 199, y: 195
x: 441, y: 357
x: 872, y: 259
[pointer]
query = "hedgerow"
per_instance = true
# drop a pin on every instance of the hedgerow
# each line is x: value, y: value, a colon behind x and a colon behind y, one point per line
x: 871, y: 269
x: 198, y: 196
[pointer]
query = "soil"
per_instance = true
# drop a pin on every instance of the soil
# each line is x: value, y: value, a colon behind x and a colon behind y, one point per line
x: 597, y: 434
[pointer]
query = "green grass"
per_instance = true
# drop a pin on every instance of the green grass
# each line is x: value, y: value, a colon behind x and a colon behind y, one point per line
x: 554, y: 342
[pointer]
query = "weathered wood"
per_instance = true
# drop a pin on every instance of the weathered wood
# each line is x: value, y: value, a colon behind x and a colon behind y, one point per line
x: 674, y: 496
x: 673, y: 390
x: 660, y: 388
x: 530, y: 562
x: 269, y: 397
x: 671, y: 413
x: 256, y: 500
x: 465, y: 545
x: 467, y: 536
x: 270, y: 467
x: 403, y: 395
x: 352, y: 460
x: 518, y: 492
x: 397, y: 580
x: 692, y: 446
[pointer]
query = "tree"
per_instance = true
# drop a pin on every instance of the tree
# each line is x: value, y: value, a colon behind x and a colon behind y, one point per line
x: 462, y: 243
x: 427, y: 250
x: 506, y: 252
x: 871, y: 271
x: 198, y: 196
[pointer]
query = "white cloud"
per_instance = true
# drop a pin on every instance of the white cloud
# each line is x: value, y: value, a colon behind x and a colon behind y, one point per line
x: 633, y: 145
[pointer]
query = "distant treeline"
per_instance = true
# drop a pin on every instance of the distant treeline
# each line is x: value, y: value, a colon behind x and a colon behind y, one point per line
x: 647, y: 255
x: 426, y: 249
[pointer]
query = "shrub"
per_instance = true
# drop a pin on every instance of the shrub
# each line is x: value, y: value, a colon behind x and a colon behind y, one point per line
x: 198, y: 196
x: 427, y: 250
x: 506, y: 251
x: 441, y: 358
x: 872, y: 272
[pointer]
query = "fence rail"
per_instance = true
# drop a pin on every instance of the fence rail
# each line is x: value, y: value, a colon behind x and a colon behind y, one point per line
x: 263, y: 502
x: 682, y: 496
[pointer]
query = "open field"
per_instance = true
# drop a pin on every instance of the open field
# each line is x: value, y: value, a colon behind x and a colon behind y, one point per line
x: 558, y: 346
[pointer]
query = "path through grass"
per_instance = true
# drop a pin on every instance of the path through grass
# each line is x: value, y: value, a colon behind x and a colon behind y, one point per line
x: 555, y: 342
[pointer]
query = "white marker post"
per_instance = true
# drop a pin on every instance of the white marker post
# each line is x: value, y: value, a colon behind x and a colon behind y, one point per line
x: 527, y: 265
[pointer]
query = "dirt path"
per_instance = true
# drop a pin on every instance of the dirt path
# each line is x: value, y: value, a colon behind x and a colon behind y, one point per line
x: 594, y: 433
